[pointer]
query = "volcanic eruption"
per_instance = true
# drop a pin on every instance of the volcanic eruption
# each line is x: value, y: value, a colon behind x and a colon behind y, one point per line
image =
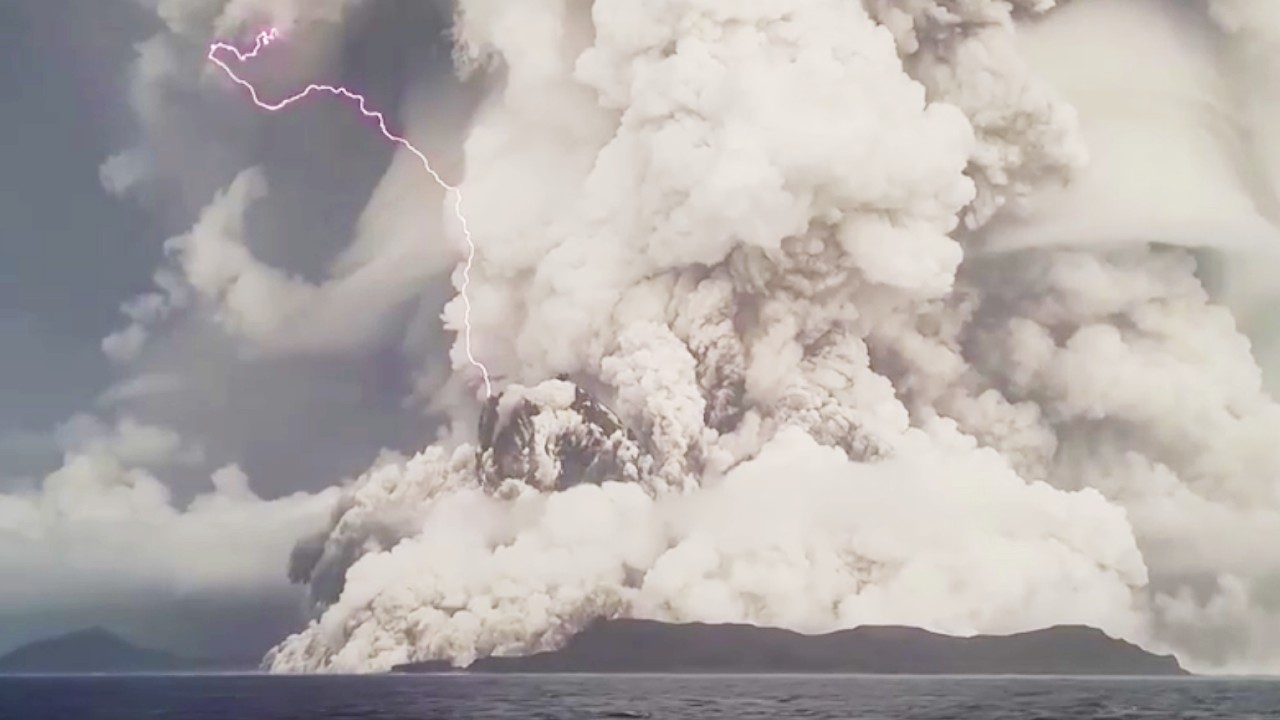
x: 811, y: 314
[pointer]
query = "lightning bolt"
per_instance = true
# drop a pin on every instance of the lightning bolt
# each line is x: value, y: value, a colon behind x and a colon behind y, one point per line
x: 265, y: 39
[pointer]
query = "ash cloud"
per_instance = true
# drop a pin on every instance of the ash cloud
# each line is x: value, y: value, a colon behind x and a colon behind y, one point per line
x: 808, y: 313
x: 754, y: 271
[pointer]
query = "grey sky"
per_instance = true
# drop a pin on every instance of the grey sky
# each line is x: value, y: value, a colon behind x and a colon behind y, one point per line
x: 69, y: 253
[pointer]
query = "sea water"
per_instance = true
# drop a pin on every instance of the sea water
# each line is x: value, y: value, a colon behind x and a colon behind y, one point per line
x: 672, y: 697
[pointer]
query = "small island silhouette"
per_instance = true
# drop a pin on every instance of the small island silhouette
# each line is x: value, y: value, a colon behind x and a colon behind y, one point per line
x: 641, y: 646
x: 94, y: 650
x: 97, y: 651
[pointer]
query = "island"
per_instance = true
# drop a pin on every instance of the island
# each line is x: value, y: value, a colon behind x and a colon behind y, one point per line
x: 642, y: 646
x: 93, y: 651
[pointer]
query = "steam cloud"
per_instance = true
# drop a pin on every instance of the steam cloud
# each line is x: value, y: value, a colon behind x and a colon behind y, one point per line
x: 809, y: 313
x: 103, y: 528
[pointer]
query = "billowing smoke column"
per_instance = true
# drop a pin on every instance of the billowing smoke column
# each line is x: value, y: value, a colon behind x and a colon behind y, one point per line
x: 776, y: 339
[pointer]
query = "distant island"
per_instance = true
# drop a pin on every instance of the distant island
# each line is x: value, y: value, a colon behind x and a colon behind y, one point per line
x: 96, y: 651
x: 642, y: 646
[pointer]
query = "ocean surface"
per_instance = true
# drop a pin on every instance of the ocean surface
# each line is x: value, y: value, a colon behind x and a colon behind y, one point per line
x: 570, y: 697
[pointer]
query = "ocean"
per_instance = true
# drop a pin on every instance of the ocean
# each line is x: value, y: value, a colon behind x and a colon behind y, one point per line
x: 574, y: 697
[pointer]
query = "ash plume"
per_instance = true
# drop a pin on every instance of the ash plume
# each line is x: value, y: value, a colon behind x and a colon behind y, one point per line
x: 806, y: 313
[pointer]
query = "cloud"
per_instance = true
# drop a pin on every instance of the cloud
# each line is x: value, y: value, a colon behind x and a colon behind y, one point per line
x: 102, y: 531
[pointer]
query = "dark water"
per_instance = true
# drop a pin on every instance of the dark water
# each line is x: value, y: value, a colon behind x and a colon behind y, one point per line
x: 670, y: 697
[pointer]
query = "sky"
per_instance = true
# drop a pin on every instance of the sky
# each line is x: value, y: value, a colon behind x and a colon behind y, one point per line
x: 71, y: 254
